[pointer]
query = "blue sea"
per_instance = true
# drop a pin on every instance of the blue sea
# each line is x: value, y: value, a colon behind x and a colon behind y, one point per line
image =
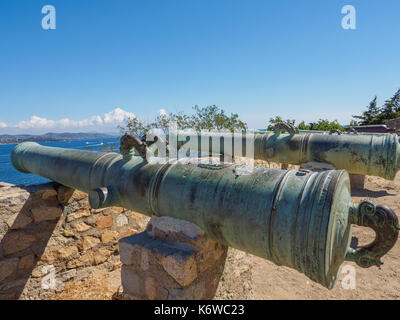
x: 10, y: 175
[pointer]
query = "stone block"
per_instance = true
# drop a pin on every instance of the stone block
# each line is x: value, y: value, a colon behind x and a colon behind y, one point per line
x: 48, y: 194
x: 196, y: 291
x: 79, y: 195
x: 59, y: 254
x: 175, y: 230
x: 8, y: 296
x: 117, y: 210
x: 16, y: 241
x: 92, y: 220
x: 78, y: 214
x: 68, y: 232
x: 141, y: 250
x: 64, y: 194
x: 14, y: 284
x: 109, y: 236
x: 128, y: 233
x: 80, y: 226
x: 101, y: 256
x: 83, y: 260
x: 172, y: 259
x: 150, y: 288
x: 88, y: 242
x: 27, y: 262
x: 90, y: 258
x: 7, y: 267
x: 18, y: 221
x: 357, y: 181
x: 104, y: 222
x: 132, y: 282
x: 129, y: 251
x: 181, y: 266
x: 46, y: 213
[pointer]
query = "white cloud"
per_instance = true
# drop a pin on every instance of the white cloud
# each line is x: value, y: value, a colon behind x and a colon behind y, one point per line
x: 97, y: 120
x: 109, y: 120
x: 36, y: 122
x: 117, y: 115
x: 162, y: 113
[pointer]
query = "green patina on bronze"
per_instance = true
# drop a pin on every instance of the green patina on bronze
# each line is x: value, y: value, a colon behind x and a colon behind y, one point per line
x: 366, y: 154
x: 294, y: 218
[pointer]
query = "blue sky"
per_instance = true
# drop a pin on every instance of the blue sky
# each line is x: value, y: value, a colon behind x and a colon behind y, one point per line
x: 112, y: 59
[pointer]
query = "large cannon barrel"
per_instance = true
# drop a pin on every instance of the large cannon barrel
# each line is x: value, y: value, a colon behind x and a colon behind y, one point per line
x: 366, y: 154
x: 377, y: 128
x: 295, y: 218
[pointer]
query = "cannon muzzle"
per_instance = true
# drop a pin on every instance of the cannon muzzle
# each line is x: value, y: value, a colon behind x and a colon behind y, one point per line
x: 294, y: 218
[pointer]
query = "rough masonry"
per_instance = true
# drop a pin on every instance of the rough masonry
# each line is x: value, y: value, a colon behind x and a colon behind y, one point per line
x: 46, y: 243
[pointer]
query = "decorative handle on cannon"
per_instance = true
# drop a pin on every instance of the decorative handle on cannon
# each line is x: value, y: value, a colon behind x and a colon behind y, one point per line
x: 384, y: 222
x: 284, y: 126
x: 130, y: 143
x: 335, y: 131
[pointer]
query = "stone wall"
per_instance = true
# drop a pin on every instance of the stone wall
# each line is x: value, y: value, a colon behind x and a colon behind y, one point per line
x: 47, y: 242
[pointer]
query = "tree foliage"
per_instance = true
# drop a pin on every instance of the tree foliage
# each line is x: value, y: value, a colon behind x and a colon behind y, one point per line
x: 203, y: 118
x: 376, y: 115
x: 321, y: 124
x: 276, y: 120
x: 212, y: 117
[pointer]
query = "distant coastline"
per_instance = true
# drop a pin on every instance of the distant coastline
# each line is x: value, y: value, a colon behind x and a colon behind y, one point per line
x: 51, y: 136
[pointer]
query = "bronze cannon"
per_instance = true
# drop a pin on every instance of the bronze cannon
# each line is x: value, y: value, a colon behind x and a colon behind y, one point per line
x: 364, y: 154
x: 296, y: 218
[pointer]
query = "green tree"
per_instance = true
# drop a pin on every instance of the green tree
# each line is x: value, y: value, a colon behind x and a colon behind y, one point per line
x: 183, y: 121
x: 370, y: 116
x: 276, y: 120
x: 321, y: 124
x: 213, y: 117
x: 326, y: 125
x: 375, y: 115
x: 354, y: 123
x: 391, y: 108
x: 205, y: 118
x: 303, y: 126
x: 135, y: 126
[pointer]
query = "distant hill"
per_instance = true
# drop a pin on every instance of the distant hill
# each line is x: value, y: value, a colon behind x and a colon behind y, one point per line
x: 51, y: 136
